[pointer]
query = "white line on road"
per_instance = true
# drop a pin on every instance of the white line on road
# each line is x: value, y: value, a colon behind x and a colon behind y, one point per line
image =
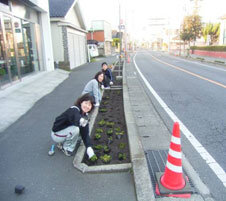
x: 217, y: 169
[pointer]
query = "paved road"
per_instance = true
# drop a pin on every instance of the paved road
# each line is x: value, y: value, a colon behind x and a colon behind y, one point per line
x: 196, y: 94
x: 24, y: 160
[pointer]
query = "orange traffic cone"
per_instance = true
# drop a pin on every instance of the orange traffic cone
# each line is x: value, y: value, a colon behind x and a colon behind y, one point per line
x: 173, y: 181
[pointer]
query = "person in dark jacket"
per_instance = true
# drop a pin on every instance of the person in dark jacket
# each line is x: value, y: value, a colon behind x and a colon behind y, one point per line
x: 108, y: 79
x: 71, y: 123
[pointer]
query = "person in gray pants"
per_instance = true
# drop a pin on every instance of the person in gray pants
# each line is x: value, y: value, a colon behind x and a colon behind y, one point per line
x: 71, y: 123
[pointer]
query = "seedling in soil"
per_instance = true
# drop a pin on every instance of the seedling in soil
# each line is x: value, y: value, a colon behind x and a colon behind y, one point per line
x: 122, y: 145
x: 106, y: 158
x: 121, y: 156
x: 93, y: 158
x: 105, y: 102
x: 117, y: 129
x: 101, y: 123
x: 110, y: 131
x: 118, y: 92
x: 110, y: 140
x: 99, y: 130
x: 103, y: 110
x: 110, y: 124
x: 97, y: 136
x: 98, y: 147
x: 119, y: 134
x: 107, y: 149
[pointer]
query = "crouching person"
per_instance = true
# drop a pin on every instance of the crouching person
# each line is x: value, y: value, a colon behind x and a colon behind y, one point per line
x: 72, y: 123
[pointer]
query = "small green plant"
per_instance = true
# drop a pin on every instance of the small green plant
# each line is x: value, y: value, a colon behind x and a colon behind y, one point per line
x: 118, y: 92
x: 110, y: 124
x: 101, y: 123
x: 106, y: 158
x: 97, y: 136
x: 103, y: 110
x: 119, y: 133
x: 98, y: 147
x: 107, y: 97
x: 117, y: 129
x: 122, y: 156
x: 93, y: 158
x: 110, y: 138
x: 110, y: 131
x: 105, y: 102
x: 122, y: 145
x: 99, y: 130
x: 106, y: 149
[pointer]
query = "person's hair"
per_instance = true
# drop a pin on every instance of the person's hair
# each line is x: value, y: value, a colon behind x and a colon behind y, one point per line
x: 85, y: 97
x: 104, y: 63
x: 97, y: 75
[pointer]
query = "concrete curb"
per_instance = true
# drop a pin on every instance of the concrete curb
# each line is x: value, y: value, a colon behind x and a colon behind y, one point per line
x: 142, y: 180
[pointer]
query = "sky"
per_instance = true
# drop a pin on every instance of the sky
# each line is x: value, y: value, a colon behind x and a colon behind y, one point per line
x: 139, y: 15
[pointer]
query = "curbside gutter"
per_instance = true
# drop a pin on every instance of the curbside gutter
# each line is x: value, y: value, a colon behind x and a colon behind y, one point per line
x: 143, y: 186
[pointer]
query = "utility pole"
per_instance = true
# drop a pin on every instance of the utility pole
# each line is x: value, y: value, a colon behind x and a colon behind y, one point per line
x: 120, y: 51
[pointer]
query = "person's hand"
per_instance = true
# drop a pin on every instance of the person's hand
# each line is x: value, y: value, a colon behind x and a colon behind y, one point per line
x: 102, y: 86
x: 90, y: 152
x: 97, y: 104
x: 83, y: 122
x: 111, y: 83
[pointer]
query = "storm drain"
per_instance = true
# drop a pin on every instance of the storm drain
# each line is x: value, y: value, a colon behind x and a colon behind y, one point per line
x: 156, y: 163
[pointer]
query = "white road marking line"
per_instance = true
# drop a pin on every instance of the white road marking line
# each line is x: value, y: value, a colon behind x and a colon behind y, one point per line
x: 216, y: 168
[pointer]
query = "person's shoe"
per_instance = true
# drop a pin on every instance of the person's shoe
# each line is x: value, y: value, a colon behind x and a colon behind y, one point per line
x: 59, y: 146
x: 66, y: 152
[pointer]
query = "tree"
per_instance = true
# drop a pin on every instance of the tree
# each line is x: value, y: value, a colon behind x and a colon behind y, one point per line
x: 191, y: 28
x: 213, y: 30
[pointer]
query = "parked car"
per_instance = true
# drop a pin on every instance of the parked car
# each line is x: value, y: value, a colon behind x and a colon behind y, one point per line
x: 93, y: 50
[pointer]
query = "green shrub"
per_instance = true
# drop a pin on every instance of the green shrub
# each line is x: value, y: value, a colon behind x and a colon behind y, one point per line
x: 209, y: 48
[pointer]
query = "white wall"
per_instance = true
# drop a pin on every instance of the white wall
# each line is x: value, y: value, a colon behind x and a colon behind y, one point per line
x: 58, y: 49
x: 72, y: 18
x: 46, y: 42
x: 222, y: 28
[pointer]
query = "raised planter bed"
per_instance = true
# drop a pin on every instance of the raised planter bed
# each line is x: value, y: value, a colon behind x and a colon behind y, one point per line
x: 109, y: 132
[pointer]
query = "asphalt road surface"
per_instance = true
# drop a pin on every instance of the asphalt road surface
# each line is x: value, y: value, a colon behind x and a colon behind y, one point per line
x: 196, y: 94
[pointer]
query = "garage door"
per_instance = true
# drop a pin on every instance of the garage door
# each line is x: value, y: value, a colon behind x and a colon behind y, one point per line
x: 77, y: 51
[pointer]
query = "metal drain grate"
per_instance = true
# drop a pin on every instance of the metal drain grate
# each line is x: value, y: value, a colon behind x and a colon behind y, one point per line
x: 156, y: 163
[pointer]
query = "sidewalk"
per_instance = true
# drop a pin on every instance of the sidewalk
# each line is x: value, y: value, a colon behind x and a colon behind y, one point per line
x: 24, y: 146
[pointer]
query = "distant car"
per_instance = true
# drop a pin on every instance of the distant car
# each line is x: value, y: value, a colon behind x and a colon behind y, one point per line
x: 93, y: 50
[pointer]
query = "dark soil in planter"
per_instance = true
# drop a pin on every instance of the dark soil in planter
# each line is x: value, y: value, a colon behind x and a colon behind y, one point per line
x: 115, y: 113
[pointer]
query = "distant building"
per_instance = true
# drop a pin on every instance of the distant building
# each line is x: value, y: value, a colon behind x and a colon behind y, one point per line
x: 222, y: 38
x: 68, y: 33
x: 101, y: 31
x: 25, y: 38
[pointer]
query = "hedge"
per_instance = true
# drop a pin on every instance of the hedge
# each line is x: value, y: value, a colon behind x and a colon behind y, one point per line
x: 210, y: 48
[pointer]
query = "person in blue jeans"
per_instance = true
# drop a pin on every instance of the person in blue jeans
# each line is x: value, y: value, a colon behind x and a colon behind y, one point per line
x: 74, y: 121
x: 108, y: 79
x: 94, y: 86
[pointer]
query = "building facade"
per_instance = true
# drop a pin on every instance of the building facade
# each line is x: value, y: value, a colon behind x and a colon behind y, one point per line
x: 68, y: 34
x: 101, y: 31
x: 25, y: 39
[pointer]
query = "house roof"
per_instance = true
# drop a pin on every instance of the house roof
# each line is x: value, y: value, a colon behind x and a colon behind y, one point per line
x: 59, y: 8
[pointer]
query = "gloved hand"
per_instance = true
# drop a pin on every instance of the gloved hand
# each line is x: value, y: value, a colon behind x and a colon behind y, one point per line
x: 102, y: 86
x: 111, y: 83
x: 97, y: 104
x: 83, y: 122
x: 90, y: 152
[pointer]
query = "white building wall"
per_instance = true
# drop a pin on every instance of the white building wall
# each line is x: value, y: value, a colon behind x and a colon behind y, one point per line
x: 43, y: 7
x: 222, y: 41
x: 72, y: 18
x: 58, y: 49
